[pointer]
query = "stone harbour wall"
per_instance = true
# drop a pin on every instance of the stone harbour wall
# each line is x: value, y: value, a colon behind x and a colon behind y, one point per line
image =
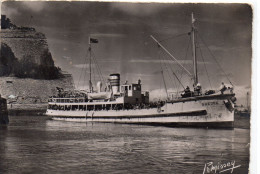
x: 32, y: 91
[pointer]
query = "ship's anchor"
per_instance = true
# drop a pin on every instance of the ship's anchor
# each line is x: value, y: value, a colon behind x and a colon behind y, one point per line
x: 229, y: 105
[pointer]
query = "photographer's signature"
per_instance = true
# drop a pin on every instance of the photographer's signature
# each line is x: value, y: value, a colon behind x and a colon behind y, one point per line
x: 229, y: 166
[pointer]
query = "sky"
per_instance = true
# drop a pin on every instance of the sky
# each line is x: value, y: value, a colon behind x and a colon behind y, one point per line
x: 125, y: 46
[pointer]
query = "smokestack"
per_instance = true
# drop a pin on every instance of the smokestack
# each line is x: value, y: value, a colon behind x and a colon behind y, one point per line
x: 114, y: 82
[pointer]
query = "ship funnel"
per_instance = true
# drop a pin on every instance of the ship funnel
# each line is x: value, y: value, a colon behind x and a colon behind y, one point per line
x: 114, y: 80
x: 99, y: 86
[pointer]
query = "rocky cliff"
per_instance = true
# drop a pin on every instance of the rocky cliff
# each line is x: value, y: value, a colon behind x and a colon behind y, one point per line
x: 27, y: 53
x: 7, y: 60
x: 28, y: 44
x: 28, y: 74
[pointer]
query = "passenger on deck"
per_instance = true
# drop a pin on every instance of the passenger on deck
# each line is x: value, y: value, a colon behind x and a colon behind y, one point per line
x: 222, y: 87
x: 187, y: 92
x: 197, y: 89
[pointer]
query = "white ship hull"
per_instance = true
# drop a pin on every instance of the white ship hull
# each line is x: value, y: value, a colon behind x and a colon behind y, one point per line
x: 202, y: 113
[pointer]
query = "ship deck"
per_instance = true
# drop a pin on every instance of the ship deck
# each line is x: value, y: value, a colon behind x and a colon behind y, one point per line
x: 202, y: 97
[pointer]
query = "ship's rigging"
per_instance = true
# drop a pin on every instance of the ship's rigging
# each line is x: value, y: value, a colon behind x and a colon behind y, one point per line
x: 128, y: 103
x: 194, y: 39
x: 93, y: 66
x: 176, y: 77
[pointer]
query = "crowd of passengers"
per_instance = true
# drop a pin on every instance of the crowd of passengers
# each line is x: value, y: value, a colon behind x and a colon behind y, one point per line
x: 197, y: 91
x: 68, y: 94
x: 67, y: 100
x: 107, y: 107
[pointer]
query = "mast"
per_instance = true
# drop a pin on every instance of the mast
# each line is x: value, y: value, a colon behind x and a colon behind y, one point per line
x: 193, y: 30
x: 90, y: 82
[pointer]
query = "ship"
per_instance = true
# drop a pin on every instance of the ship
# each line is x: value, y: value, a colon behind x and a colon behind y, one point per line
x: 127, y: 103
x: 244, y: 111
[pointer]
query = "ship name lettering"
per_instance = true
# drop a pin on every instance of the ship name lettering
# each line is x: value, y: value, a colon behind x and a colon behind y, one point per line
x: 209, y: 103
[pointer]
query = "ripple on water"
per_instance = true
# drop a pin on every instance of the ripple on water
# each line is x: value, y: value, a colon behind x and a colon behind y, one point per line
x: 37, y: 145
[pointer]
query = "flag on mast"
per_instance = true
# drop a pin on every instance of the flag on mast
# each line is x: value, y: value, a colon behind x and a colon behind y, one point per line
x: 92, y: 40
x: 193, y: 20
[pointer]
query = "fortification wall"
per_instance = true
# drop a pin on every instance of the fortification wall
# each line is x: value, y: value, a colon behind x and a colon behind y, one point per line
x: 32, y: 91
x: 29, y: 44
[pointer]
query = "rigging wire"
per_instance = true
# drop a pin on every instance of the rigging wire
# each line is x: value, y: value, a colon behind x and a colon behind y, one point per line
x: 205, y: 66
x: 169, y: 74
x: 98, y: 69
x: 175, y: 75
x: 173, y: 37
x: 162, y: 73
x: 178, y: 80
x: 176, y: 60
x: 171, y: 71
x: 186, y: 55
x: 168, y: 71
x: 164, y: 85
x: 84, y: 77
x: 168, y: 68
x: 215, y: 59
x: 82, y: 70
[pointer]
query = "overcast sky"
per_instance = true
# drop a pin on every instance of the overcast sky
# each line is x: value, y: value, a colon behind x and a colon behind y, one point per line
x: 123, y: 31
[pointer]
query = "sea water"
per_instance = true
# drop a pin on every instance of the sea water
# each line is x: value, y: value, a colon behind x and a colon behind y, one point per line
x: 35, y: 144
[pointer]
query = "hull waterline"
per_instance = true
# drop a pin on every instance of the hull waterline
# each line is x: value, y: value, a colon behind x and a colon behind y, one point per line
x: 194, y: 113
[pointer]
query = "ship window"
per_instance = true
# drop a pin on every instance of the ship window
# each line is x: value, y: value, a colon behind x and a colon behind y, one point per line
x: 114, y: 107
x: 84, y: 107
x: 67, y: 100
x: 76, y: 101
x: 108, y: 106
x: 71, y: 101
x: 90, y: 107
x: 62, y: 100
x: 58, y: 100
x: 129, y: 87
x: 139, y: 88
x: 126, y: 88
x: 80, y: 107
x: 74, y: 107
x: 119, y: 106
x: 98, y: 107
x: 81, y: 100
x: 54, y: 107
x: 67, y: 107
